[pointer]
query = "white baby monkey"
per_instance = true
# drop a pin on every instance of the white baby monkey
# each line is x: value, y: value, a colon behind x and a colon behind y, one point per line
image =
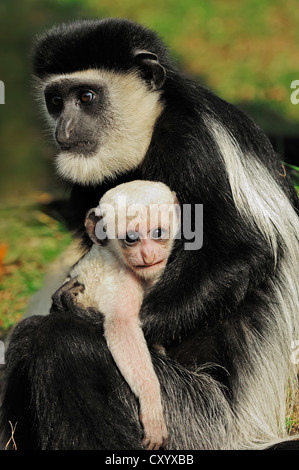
x: 133, y: 230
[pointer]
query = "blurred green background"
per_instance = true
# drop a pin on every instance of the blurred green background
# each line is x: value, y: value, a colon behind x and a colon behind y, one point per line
x: 247, y: 52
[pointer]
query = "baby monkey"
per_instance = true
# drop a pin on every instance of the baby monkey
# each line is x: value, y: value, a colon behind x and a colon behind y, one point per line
x: 133, y: 230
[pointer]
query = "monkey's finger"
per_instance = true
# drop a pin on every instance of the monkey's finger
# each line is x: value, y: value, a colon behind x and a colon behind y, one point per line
x: 69, y: 296
x: 164, y: 442
x: 145, y: 444
x: 64, y: 298
x: 56, y: 299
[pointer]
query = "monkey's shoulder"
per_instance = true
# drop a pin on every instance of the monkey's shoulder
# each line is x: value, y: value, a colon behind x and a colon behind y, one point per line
x: 96, y: 264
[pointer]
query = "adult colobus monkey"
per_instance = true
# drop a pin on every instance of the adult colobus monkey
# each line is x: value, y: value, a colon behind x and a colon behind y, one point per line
x: 227, y: 313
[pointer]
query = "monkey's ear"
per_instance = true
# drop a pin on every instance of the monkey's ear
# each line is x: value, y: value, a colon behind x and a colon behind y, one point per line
x: 93, y: 229
x: 151, y: 68
x: 177, y: 205
x: 175, y: 198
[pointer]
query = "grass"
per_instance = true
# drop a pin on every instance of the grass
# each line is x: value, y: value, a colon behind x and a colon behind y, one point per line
x: 30, y: 240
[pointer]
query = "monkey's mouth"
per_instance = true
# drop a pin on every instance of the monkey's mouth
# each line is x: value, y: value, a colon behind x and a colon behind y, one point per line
x: 80, y: 147
x: 148, y: 266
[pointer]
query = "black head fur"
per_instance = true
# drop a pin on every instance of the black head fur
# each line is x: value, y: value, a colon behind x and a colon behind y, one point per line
x: 94, y: 43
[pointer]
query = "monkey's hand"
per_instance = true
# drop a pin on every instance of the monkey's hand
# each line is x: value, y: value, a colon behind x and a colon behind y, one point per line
x: 154, y: 427
x: 65, y: 298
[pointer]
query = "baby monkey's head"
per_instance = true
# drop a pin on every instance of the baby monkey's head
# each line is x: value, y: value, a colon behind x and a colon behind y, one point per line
x: 137, y: 222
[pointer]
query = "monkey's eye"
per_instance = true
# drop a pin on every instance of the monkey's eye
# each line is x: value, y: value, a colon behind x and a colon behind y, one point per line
x: 158, y: 233
x: 86, y: 97
x: 131, y: 238
x: 56, y: 100
x: 54, y: 103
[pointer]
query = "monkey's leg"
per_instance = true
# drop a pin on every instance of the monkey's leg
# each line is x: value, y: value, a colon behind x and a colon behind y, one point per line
x: 64, y: 390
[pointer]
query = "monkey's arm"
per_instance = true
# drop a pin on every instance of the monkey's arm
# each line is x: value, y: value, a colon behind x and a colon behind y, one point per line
x: 128, y: 347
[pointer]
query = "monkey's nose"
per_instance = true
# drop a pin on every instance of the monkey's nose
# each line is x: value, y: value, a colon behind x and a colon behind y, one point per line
x: 149, y: 258
x: 64, y: 133
x: 147, y: 252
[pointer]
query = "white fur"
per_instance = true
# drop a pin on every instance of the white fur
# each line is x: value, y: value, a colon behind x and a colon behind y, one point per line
x: 266, y: 392
x: 102, y: 276
x: 133, y: 111
x: 150, y: 202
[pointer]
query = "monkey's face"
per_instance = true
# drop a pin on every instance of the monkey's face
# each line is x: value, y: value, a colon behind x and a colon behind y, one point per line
x: 77, y: 109
x: 102, y: 122
x: 146, y: 253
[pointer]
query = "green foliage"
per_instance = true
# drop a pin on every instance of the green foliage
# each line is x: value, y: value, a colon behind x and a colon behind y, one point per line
x: 294, y: 171
x: 30, y: 240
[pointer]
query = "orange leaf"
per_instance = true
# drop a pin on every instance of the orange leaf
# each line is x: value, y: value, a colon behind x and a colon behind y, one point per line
x: 3, y: 251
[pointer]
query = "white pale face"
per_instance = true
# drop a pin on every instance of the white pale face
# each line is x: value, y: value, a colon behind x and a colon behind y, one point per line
x: 140, y: 220
x: 146, y: 251
x: 125, y: 124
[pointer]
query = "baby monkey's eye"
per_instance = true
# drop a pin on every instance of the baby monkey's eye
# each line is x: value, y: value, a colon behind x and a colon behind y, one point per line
x: 158, y: 233
x: 131, y: 238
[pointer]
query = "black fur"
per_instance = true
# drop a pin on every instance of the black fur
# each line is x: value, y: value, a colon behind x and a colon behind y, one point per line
x: 93, y: 43
x: 63, y: 387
